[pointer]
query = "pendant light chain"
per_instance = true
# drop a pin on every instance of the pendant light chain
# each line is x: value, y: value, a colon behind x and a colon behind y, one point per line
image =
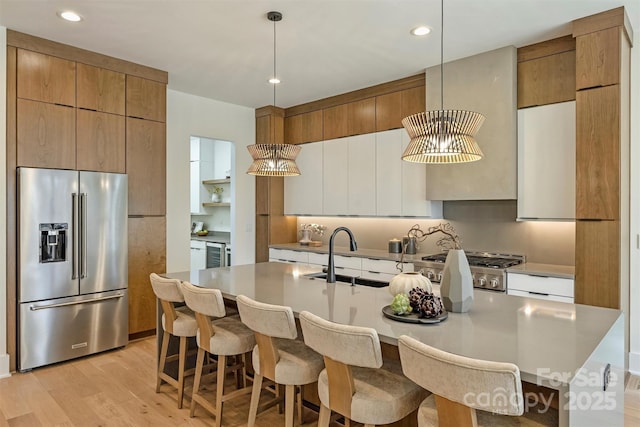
x: 442, y: 70
x: 274, y: 62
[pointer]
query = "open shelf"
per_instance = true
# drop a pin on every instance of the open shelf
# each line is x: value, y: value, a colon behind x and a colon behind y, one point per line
x: 217, y: 181
x: 213, y: 204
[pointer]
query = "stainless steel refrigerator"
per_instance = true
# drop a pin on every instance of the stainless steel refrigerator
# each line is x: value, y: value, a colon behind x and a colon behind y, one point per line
x: 72, y: 264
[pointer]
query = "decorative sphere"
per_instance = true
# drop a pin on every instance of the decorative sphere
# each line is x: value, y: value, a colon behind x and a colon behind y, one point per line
x: 404, y: 282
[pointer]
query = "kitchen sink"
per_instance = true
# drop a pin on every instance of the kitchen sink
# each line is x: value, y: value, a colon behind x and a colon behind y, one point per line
x: 350, y: 280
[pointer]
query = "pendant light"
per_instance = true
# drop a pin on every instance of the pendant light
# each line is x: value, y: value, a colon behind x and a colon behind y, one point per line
x: 274, y: 159
x: 443, y: 136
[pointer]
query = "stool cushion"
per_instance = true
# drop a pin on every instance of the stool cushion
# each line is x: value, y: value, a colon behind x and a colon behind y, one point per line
x: 185, y: 324
x: 298, y: 363
x: 428, y: 417
x: 231, y: 337
x: 382, y: 396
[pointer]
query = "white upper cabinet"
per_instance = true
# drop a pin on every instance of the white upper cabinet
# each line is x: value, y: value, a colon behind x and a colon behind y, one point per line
x: 362, y: 175
x: 414, y: 188
x: 546, y: 162
x: 303, y: 193
x: 389, y: 173
x: 335, y: 177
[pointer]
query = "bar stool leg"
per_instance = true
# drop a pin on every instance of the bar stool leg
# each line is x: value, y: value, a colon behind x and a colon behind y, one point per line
x: 222, y: 365
x: 196, y: 380
x: 163, y: 358
x: 324, y: 417
x: 255, y: 398
x: 289, y: 395
x: 181, y: 359
x: 299, y: 391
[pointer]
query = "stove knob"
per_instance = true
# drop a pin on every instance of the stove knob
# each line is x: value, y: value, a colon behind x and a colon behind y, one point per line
x: 440, y: 277
x: 482, y: 281
x: 494, y: 283
x: 430, y: 274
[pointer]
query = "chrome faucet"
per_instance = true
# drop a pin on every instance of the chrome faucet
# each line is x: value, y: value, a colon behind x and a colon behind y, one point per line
x: 331, y: 270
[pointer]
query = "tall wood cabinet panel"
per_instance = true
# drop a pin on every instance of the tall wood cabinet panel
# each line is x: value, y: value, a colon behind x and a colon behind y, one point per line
x: 147, y: 243
x: 100, y: 89
x: 46, y: 78
x: 100, y: 142
x: 598, y: 263
x: 146, y: 99
x: 303, y: 128
x: 45, y: 135
x: 598, y: 58
x: 146, y: 166
x: 598, y: 153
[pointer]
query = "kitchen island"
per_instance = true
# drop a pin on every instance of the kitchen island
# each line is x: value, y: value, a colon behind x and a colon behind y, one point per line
x: 565, y: 347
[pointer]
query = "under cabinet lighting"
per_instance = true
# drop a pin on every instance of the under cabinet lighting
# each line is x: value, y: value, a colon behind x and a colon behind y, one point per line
x: 69, y: 15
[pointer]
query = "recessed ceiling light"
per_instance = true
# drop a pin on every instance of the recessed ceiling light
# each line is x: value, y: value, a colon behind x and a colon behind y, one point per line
x: 69, y: 15
x: 274, y: 80
x: 421, y: 31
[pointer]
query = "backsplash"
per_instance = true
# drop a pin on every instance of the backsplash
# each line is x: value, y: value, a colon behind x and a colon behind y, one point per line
x: 483, y: 226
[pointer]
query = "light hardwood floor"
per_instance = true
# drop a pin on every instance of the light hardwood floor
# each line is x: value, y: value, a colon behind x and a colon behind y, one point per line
x: 117, y: 388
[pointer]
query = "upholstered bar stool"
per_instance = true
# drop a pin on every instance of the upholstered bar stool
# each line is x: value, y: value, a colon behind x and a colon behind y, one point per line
x: 180, y: 322
x: 355, y: 383
x: 462, y: 385
x: 278, y: 356
x: 223, y: 337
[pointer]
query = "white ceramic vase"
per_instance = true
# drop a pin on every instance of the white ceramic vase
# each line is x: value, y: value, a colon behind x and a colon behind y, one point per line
x: 404, y: 282
x: 456, y: 286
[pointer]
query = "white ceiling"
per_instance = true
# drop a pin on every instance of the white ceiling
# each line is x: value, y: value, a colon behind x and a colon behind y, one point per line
x: 223, y: 49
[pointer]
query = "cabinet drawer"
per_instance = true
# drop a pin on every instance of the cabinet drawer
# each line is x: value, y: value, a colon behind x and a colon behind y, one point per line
x: 199, y: 244
x: 384, y: 266
x: 374, y: 275
x: 318, y: 259
x: 347, y: 262
x: 540, y: 284
x: 353, y: 272
x: 540, y: 296
x: 287, y: 255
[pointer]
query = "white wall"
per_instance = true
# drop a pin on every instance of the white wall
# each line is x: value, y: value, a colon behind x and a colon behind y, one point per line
x: 634, y: 294
x: 4, y: 357
x: 189, y: 115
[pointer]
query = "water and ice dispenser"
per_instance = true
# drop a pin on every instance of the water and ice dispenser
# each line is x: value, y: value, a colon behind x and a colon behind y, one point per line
x: 53, y: 242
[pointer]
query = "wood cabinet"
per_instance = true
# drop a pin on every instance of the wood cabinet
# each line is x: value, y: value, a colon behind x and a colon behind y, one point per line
x: 146, y: 166
x: 546, y: 162
x: 303, y: 128
x: 353, y: 118
x: 100, y: 89
x: 598, y: 153
x: 100, y: 142
x: 303, y: 194
x: 46, y: 78
x: 391, y: 108
x: 598, y: 263
x: 147, y: 254
x: 45, y: 135
x: 598, y: 58
x: 547, y: 80
x: 146, y: 99
x: 361, y: 183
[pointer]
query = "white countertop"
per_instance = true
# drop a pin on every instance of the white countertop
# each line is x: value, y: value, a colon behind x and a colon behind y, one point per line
x: 547, y: 270
x: 531, y: 333
x: 214, y: 237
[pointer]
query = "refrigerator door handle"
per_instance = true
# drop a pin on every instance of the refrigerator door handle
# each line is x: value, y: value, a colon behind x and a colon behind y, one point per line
x: 83, y: 235
x: 74, y: 228
x: 64, y: 304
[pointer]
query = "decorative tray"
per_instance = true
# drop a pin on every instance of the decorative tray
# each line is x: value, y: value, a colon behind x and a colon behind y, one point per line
x: 413, y: 317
